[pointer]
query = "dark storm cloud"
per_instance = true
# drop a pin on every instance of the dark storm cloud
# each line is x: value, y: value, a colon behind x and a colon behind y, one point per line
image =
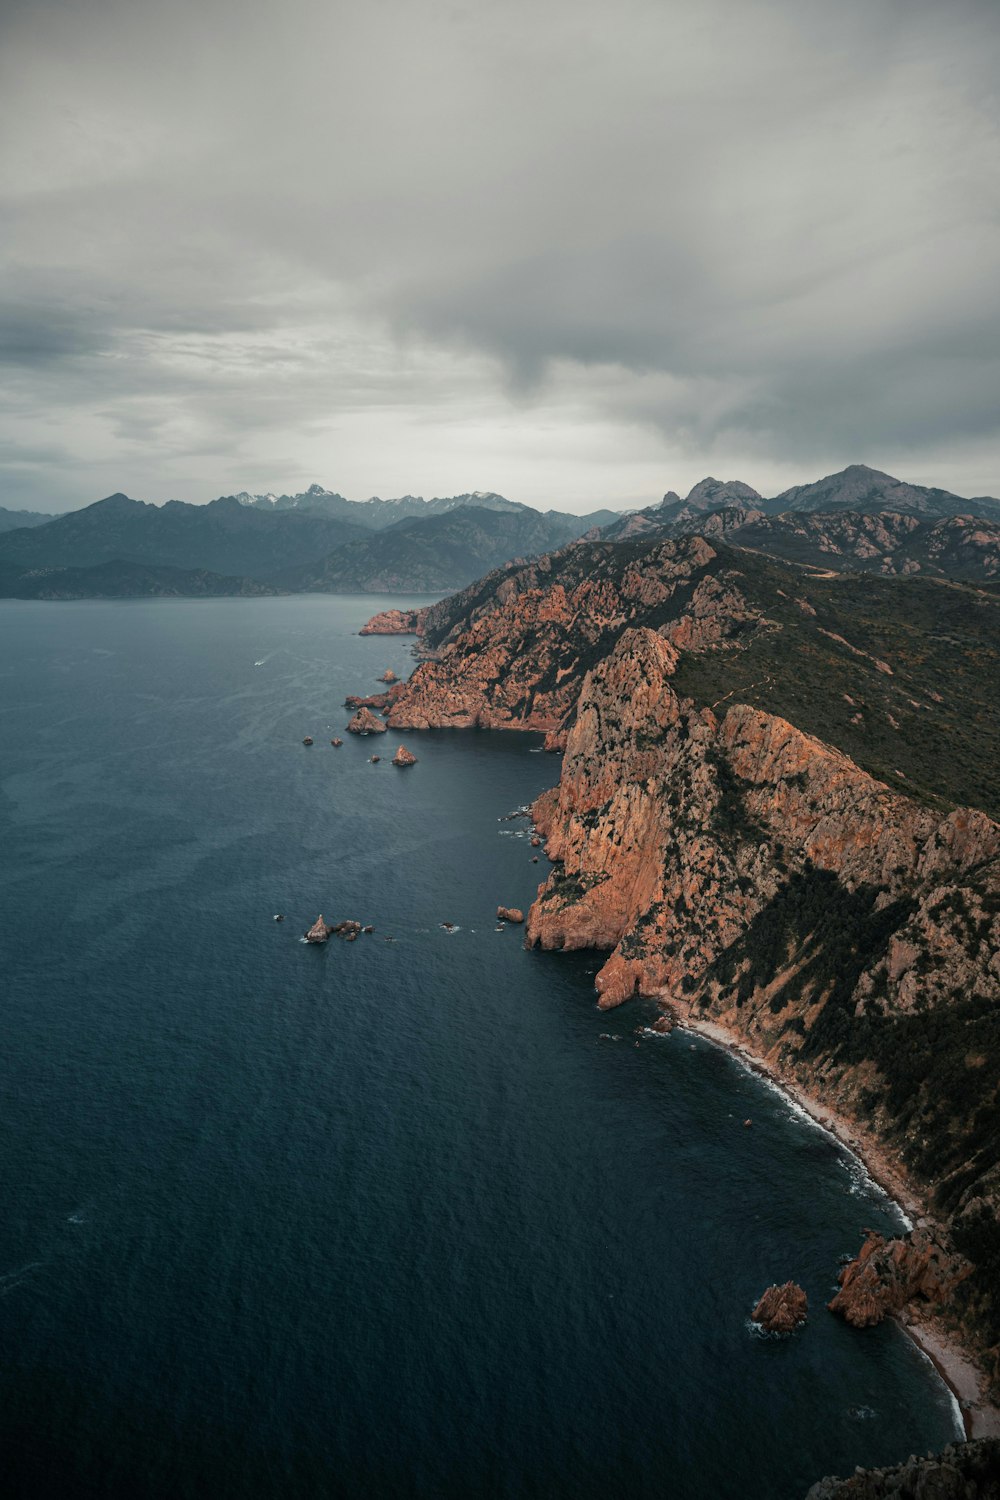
x: 756, y: 229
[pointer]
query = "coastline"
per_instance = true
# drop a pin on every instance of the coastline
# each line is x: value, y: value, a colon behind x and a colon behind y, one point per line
x: 954, y: 1363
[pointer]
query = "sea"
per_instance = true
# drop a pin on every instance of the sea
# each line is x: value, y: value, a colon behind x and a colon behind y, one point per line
x: 401, y: 1217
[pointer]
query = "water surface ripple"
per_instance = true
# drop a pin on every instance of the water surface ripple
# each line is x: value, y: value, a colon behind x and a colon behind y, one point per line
x: 407, y: 1218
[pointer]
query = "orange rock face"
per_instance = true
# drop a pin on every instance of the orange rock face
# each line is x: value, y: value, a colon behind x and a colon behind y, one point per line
x: 365, y: 722
x: 889, y: 1273
x: 510, y: 914
x: 403, y: 757
x: 782, y: 1308
x: 517, y: 660
x: 394, y: 622
x: 672, y: 830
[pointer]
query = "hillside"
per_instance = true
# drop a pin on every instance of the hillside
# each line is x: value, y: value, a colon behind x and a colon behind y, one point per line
x: 774, y: 814
x: 429, y: 556
x: 858, y: 489
x: 13, y: 520
x: 897, y: 673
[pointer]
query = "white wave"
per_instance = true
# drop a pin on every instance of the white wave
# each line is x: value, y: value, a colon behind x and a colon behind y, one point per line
x: 862, y: 1180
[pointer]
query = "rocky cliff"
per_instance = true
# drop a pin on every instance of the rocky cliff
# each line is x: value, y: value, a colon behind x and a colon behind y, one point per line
x: 895, y: 673
x: 741, y: 870
x: 764, y: 819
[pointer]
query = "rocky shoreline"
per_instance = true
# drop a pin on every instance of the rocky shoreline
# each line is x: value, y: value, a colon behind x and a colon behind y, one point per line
x: 942, y: 1345
x: 832, y: 922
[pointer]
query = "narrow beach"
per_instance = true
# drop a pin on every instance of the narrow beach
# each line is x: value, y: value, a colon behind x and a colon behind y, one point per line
x: 954, y: 1364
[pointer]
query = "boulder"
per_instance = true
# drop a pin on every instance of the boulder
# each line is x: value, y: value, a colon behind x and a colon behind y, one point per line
x: 510, y: 914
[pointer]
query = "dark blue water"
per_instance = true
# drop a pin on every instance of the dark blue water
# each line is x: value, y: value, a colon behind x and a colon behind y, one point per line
x: 389, y: 1218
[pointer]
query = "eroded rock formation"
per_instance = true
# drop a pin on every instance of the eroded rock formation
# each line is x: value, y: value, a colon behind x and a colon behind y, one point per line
x: 404, y: 757
x: 745, y: 872
x: 782, y: 1308
x: 365, y: 722
x: 394, y: 622
x: 889, y: 1273
x: 319, y: 931
x: 510, y: 914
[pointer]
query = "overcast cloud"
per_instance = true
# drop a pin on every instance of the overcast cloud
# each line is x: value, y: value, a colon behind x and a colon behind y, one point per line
x: 575, y: 252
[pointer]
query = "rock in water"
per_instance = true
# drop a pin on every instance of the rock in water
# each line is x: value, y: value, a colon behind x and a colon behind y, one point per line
x: 388, y: 676
x: 319, y: 931
x: 307, y: 740
x: 510, y: 914
x: 782, y: 1308
x: 346, y: 931
x: 403, y: 757
x: 365, y: 722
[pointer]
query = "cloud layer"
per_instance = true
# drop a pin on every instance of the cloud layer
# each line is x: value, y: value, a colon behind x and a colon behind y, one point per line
x: 570, y: 251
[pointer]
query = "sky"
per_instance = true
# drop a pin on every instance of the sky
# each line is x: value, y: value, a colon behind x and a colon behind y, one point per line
x: 579, y: 253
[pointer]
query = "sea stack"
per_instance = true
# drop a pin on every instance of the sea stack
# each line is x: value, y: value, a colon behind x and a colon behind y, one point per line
x: 388, y: 676
x: 403, y: 757
x: 782, y: 1308
x: 365, y: 722
x: 319, y: 931
x: 510, y: 914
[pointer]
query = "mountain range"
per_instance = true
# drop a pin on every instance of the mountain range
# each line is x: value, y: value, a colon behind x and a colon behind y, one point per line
x: 290, y: 548
x: 316, y: 540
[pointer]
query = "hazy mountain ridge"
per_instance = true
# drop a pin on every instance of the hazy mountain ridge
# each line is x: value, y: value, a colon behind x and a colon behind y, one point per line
x: 294, y: 548
x: 12, y: 520
x: 222, y: 537
x: 857, y: 488
x: 319, y: 540
x: 434, y: 554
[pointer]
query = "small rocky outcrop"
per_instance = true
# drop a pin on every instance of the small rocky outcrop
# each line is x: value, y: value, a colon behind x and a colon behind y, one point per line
x: 782, y: 1308
x: 963, y: 1471
x: 365, y: 722
x: 307, y: 740
x: 319, y: 931
x: 394, y: 622
x: 336, y: 743
x: 346, y: 931
x: 388, y: 676
x: 378, y: 701
x: 404, y: 757
x: 889, y: 1273
x: 510, y: 914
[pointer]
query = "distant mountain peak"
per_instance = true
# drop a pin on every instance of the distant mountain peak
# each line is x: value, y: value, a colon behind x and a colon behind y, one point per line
x: 711, y: 493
